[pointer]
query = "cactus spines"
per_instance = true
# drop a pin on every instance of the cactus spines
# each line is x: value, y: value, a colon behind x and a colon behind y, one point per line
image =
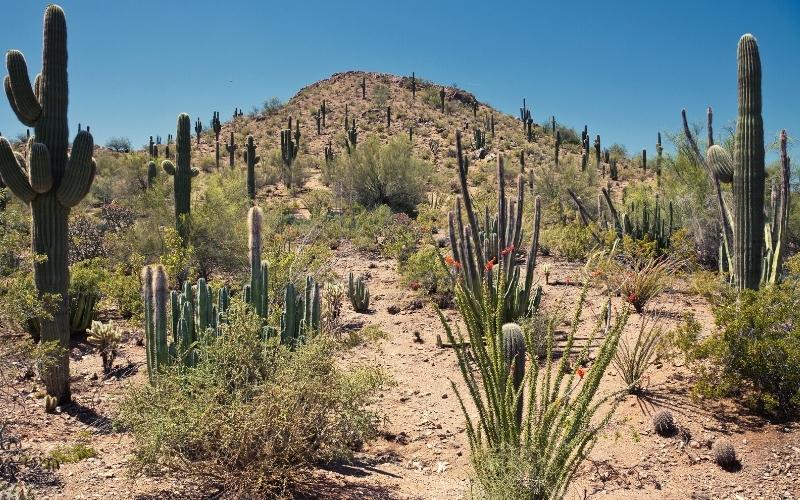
x: 182, y: 173
x: 663, y: 423
x: 441, y: 98
x: 216, y: 126
x: 514, y: 358
x: 198, y: 129
x: 53, y: 182
x: 720, y: 163
x: 358, y: 293
x: 251, y: 158
x: 231, y: 148
x: 724, y: 453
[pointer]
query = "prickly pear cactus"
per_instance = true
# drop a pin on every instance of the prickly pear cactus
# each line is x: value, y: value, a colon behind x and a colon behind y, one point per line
x: 51, y: 181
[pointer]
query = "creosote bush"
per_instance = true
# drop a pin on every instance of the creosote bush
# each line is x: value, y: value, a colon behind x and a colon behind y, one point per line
x: 252, y: 416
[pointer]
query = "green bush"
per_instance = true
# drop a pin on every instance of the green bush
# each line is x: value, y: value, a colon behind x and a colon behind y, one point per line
x: 423, y: 270
x: 755, y: 350
x: 572, y: 241
x: 253, y: 416
x: 375, y: 175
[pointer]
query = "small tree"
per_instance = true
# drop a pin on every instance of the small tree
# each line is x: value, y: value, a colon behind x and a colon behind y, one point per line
x: 119, y: 144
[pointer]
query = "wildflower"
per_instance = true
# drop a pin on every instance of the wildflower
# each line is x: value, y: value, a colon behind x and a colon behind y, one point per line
x: 490, y: 264
x: 414, y: 285
x: 449, y: 260
x: 507, y: 250
x: 581, y: 372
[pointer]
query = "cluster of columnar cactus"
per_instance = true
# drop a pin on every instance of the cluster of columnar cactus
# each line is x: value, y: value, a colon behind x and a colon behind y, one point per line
x: 752, y: 249
x: 290, y: 145
x: 301, y: 313
x: 642, y: 223
x: 478, y: 249
x: 358, y: 293
x: 216, y: 126
x: 50, y: 179
x: 231, y: 148
x: 251, y: 158
x: 479, y: 138
x: 182, y: 173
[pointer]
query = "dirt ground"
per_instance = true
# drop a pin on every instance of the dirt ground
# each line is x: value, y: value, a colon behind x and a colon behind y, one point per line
x: 423, y: 451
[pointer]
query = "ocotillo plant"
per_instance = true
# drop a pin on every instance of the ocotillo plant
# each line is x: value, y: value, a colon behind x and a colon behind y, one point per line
x: 358, y: 293
x: 216, y: 126
x: 198, y: 129
x: 231, y: 148
x: 152, y: 173
x: 52, y: 183
x: 441, y: 98
x: 251, y: 158
x: 182, y: 174
x: 288, y: 154
x: 477, y: 250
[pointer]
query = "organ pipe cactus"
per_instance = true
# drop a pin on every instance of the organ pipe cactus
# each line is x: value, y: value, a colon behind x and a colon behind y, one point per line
x: 358, y: 293
x: 216, y: 126
x: 477, y: 250
x: 251, y: 158
x: 182, y: 174
x: 51, y: 180
x: 231, y: 148
x: 754, y: 249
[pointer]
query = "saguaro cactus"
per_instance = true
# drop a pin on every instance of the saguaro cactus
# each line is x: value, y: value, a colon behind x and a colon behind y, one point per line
x: 152, y: 173
x: 557, y: 146
x: 231, y: 148
x: 52, y: 181
x: 659, y: 152
x: 413, y: 85
x: 388, y: 118
x: 363, y: 87
x: 259, y: 270
x: 251, y: 158
x: 289, y: 150
x: 151, y: 149
x: 441, y: 98
x: 198, y: 129
x: 216, y: 126
x: 514, y: 358
x: 746, y: 171
x: 182, y: 174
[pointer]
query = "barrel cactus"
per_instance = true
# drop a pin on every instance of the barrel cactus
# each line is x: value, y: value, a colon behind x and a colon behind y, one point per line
x: 663, y: 423
x: 724, y: 453
x: 51, y: 180
x: 182, y: 174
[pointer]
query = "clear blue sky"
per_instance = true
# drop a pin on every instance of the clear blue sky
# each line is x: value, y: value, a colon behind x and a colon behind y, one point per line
x: 625, y: 68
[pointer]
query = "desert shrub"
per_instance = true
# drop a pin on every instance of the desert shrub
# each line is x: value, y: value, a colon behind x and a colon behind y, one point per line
x: 153, y: 210
x: 551, y: 184
x: 118, y: 177
x: 632, y: 360
x: 380, y: 95
x: 754, y: 351
x: 423, y: 270
x: 271, y: 105
x: 572, y: 241
x: 253, y: 416
x: 121, y: 290
x: 85, y: 239
x: 72, y: 453
x: 640, y: 281
x: 218, y: 228
x: 375, y: 175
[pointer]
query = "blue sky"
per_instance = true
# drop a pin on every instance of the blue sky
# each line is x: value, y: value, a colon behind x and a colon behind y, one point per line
x: 625, y: 68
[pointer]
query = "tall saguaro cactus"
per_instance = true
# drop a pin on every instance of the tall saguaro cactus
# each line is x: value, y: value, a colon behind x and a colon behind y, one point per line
x: 182, y: 174
x: 52, y: 181
x: 251, y: 158
x: 231, y: 148
x: 198, y: 129
x: 216, y: 126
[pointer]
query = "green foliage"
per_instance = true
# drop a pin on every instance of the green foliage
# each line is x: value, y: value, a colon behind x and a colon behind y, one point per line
x: 754, y: 351
x: 178, y: 259
x: 535, y: 456
x: 552, y: 185
x: 572, y: 241
x: 86, y: 278
x: 380, y: 95
x: 374, y: 175
x: 424, y: 270
x: 73, y: 453
x: 105, y: 337
x: 253, y: 416
x: 358, y: 293
x: 633, y: 361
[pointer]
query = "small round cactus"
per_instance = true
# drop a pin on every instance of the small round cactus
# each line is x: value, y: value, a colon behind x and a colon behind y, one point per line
x: 724, y: 454
x: 663, y: 423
